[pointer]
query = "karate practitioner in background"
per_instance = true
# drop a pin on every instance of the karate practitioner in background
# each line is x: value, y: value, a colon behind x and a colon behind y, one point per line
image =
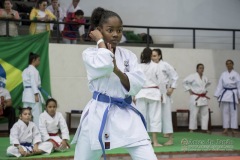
x: 170, y: 79
x: 110, y: 119
x: 51, y: 124
x: 25, y: 137
x: 148, y: 99
x: 228, y: 94
x: 196, y: 84
x: 32, y: 96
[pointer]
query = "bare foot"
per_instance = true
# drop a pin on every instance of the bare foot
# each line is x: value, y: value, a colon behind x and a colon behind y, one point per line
x: 234, y: 133
x: 157, y: 145
x: 166, y: 135
x: 225, y: 132
x: 168, y: 143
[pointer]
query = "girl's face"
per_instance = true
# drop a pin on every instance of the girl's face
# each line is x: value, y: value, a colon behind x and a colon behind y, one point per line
x: 200, y: 69
x: 36, y: 62
x: 112, y: 31
x: 155, y: 57
x: 26, y: 116
x: 43, y: 6
x: 51, y: 108
x: 229, y: 65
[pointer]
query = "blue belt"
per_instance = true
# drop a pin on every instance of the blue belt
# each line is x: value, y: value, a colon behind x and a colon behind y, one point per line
x: 26, y: 144
x: 41, y: 90
x: 120, y: 102
x: 27, y: 87
x: 234, y: 100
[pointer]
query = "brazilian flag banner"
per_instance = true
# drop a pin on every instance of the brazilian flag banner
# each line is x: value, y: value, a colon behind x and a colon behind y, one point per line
x: 14, y: 53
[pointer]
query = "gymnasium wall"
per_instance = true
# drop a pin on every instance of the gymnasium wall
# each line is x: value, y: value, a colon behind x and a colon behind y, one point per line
x: 70, y: 86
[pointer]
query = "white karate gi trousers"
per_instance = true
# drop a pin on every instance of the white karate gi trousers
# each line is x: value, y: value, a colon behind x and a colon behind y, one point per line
x: 83, y: 149
x: 204, y: 115
x: 229, y: 115
x: 151, y: 110
x: 44, y: 146
x: 167, y: 126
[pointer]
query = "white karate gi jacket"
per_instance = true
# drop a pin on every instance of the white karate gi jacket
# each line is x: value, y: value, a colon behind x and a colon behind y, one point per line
x: 22, y: 133
x: 228, y: 80
x: 31, y: 77
x: 48, y: 124
x: 194, y: 83
x: 123, y: 126
x: 170, y: 77
x: 154, y: 77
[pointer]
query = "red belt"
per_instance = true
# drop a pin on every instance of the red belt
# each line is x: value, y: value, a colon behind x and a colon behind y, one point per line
x: 52, y: 134
x: 151, y: 87
x: 200, y: 95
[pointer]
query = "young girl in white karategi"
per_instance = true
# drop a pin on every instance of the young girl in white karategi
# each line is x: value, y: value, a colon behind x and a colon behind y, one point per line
x: 170, y: 79
x: 196, y: 84
x: 228, y: 94
x: 51, y: 123
x: 110, y: 119
x: 148, y: 99
x: 25, y: 138
x: 32, y: 96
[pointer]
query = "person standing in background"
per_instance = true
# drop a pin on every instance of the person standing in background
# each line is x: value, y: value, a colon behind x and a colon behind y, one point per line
x: 58, y: 13
x: 170, y: 79
x: 32, y: 96
x: 228, y: 95
x: 40, y: 13
x: 196, y: 84
x: 148, y: 99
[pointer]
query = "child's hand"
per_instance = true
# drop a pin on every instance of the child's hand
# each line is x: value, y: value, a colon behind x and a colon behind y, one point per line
x: 21, y: 151
x: 36, y: 98
x: 64, y: 144
x: 36, y: 150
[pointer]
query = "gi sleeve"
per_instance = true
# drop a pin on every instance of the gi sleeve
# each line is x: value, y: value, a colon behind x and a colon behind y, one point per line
x: 219, y: 87
x: 98, y: 62
x: 173, y: 76
x: 36, y: 135
x: 14, y: 137
x: 63, y: 127
x: 135, y: 75
x: 208, y: 83
x: 238, y: 85
x: 43, y: 128
x: 187, y: 82
x: 34, y: 85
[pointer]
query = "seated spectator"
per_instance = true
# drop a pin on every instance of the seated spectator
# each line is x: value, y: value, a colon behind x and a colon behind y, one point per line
x: 40, y: 13
x: 51, y: 123
x: 8, y: 13
x: 58, y: 12
x: 25, y: 138
x: 6, y: 108
x: 70, y: 31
